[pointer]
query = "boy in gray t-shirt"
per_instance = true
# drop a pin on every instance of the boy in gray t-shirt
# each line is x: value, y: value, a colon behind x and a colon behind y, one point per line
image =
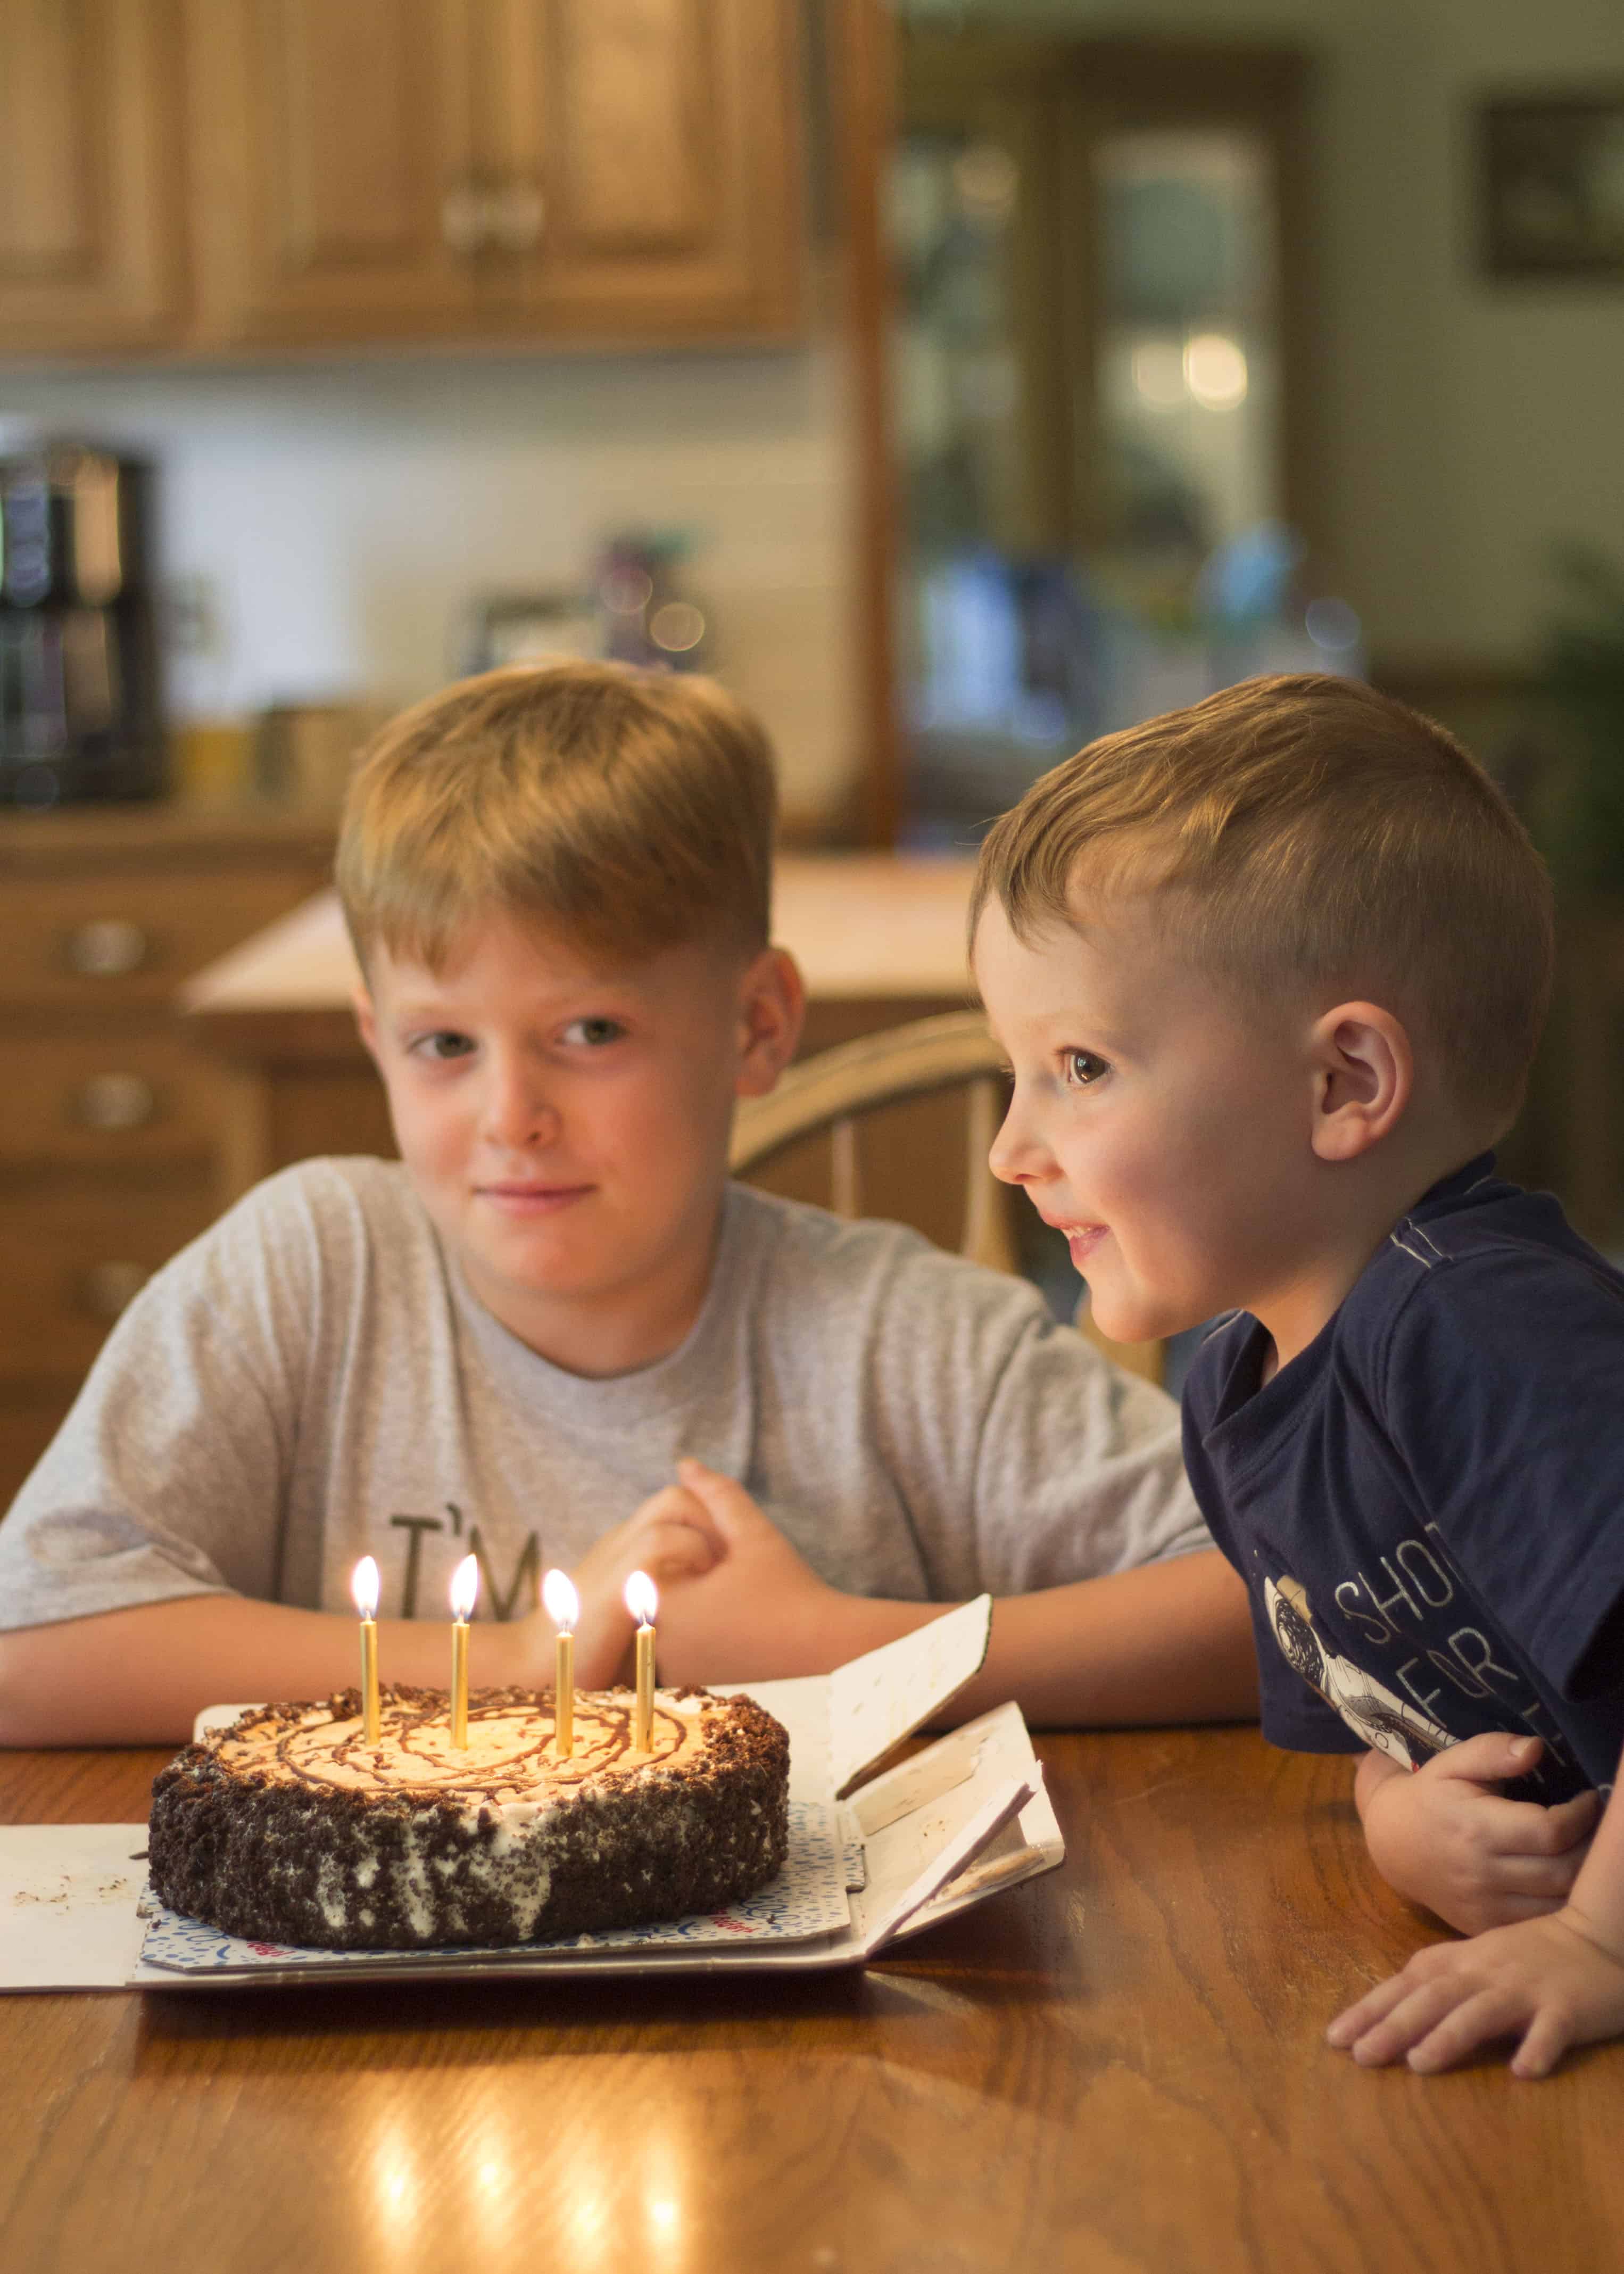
x: 554, y: 1332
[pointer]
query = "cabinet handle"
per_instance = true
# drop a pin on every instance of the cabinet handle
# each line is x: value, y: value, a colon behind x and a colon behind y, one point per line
x: 514, y: 216
x: 106, y: 1289
x: 106, y: 948
x: 114, y: 1101
x: 465, y: 218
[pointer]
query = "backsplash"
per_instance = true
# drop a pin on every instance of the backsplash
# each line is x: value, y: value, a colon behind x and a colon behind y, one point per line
x: 325, y: 526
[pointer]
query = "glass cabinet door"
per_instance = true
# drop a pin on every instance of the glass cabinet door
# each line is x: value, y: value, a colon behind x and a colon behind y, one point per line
x: 1089, y: 387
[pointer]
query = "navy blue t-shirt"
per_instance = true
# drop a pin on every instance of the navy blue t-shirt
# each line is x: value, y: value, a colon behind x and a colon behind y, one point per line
x: 1428, y: 1503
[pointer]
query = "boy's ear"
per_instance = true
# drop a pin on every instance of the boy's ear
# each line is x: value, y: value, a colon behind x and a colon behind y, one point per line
x: 773, y: 1005
x: 365, y: 1019
x: 1363, y: 1077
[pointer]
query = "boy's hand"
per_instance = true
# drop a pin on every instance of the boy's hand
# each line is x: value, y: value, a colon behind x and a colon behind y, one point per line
x: 1446, y: 1838
x: 747, y: 1616
x: 1551, y: 1982
x: 672, y: 1538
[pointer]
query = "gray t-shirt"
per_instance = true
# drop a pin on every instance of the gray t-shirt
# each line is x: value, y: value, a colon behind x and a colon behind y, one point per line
x: 312, y: 1381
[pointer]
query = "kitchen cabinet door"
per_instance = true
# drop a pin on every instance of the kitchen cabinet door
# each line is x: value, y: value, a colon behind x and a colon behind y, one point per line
x: 641, y: 156
x: 333, y: 195
x: 90, y: 235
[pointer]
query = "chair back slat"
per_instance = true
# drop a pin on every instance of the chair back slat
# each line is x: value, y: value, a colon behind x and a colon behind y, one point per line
x: 844, y: 1171
x: 987, y: 1235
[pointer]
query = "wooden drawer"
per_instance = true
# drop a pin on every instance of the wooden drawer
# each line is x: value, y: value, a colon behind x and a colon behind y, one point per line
x: 127, y: 1098
x: 96, y: 943
x: 74, y: 1248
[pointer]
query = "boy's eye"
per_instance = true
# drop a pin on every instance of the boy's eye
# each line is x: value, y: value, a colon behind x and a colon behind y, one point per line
x: 594, y: 1032
x: 445, y: 1043
x: 1083, y: 1069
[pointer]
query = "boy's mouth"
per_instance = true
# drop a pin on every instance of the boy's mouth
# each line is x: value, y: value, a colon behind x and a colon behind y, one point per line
x: 1082, y: 1239
x: 522, y: 1196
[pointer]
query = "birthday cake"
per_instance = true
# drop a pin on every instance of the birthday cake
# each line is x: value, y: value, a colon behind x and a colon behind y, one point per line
x: 288, y: 1827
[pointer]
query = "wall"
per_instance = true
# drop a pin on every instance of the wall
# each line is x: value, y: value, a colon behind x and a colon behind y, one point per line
x: 341, y: 517
x: 1467, y: 425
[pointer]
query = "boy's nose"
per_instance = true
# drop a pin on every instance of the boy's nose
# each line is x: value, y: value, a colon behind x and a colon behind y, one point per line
x: 1017, y: 1157
x: 516, y: 1112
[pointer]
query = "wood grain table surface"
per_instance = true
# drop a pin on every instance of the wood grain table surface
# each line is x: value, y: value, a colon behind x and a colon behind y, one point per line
x: 1118, y: 2066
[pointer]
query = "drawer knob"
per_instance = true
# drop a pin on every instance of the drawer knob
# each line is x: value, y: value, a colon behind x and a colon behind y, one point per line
x: 464, y: 218
x: 106, y: 948
x: 114, y: 1100
x: 107, y: 1287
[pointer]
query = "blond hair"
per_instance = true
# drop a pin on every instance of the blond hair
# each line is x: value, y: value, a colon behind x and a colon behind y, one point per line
x: 1307, y: 834
x: 628, y: 811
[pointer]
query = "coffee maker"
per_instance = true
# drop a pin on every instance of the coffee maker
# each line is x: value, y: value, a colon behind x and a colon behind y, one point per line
x: 79, y: 704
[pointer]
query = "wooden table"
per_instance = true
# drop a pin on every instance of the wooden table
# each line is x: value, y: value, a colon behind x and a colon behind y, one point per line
x: 1117, y: 2067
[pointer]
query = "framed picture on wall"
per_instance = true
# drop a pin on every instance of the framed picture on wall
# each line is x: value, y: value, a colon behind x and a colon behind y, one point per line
x: 1553, y: 186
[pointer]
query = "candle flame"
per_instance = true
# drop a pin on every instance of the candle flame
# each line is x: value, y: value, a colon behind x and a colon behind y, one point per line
x: 563, y: 1605
x: 642, y: 1598
x: 363, y: 1586
x: 465, y: 1587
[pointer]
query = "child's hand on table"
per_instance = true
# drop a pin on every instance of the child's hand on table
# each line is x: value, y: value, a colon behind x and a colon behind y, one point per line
x: 671, y: 1537
x: 1446, y: 1837
x: 1551, y: 1982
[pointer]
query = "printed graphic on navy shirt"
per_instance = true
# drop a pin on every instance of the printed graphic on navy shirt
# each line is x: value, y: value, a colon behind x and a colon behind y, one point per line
x: 1428, y: 1503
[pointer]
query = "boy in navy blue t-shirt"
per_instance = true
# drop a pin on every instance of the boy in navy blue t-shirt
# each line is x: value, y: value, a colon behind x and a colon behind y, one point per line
x: 1270, y: 972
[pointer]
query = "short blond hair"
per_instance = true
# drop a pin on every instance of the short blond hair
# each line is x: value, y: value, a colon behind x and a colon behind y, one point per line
x: 628, y: 811
x: 1307, y: 833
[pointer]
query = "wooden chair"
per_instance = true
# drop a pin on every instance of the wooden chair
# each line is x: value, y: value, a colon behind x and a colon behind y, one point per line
x: 833, y: 1090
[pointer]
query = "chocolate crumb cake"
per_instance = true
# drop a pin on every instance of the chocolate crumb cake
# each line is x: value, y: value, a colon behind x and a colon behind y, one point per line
x: 287, y: 1827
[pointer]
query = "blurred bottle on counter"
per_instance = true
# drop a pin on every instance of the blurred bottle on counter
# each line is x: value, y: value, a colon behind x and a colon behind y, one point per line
x: 648, y: 617
x: 80, y: 713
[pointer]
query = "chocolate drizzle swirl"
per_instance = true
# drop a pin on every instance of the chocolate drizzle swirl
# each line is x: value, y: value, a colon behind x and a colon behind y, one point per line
x: 304, y: 1745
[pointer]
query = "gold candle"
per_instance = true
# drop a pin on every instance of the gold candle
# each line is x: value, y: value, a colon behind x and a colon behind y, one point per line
x: 364, y: 1588
x: 641, y: 1600
x: 464, y: 1591
x: 563, y: 1605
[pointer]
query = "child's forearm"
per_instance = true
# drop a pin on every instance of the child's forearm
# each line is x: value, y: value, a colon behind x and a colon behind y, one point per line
x: 139, y: 1676
x: 1167, y: 1642
x: 1597, y: 1900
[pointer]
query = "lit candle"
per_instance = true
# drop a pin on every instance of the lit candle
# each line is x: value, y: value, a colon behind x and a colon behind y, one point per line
x: 643, y: 1601
x: 563, y: 1604
x: 464, y: 1590
x: 364, y: 1588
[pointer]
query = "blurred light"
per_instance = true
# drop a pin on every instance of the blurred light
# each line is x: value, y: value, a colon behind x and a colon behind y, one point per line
x: 986, y: 179
x: 1159, y: 374
x: 1332, y: 624
x: 677, y: 626
x: 627, y: 590
x: 1215, y: 371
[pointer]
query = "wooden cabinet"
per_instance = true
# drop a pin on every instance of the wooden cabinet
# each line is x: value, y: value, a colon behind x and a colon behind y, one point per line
x: 554, y: 168
x: 120, y: 1140
x: 550, y: 171
x: 90, y: 188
